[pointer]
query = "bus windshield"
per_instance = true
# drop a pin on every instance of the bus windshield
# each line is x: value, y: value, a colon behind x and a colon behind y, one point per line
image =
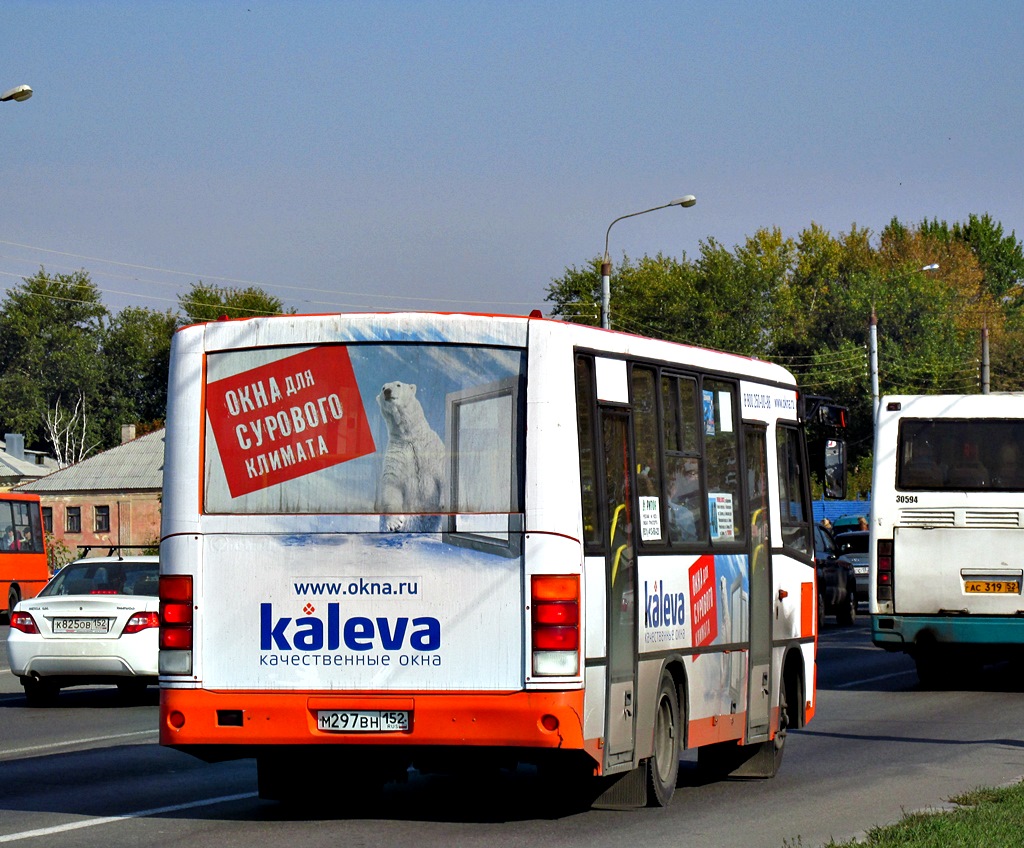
x: 20, y: 531
x: 364, y: 429
x: 961, y: 454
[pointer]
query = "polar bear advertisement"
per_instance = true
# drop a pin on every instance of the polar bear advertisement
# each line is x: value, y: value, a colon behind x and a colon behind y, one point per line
x: 412, y: 471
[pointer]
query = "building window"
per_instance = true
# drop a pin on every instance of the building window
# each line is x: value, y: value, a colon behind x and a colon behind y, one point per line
x: 102, y: 519
x: 48, y: 519
x: 73, y: 519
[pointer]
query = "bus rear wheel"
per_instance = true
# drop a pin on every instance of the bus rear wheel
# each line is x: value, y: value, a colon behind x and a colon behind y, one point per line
x: 663, y: 766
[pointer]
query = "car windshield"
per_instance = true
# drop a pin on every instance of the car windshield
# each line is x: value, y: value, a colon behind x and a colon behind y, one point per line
x: 853, y: 543
x: 105, y: 577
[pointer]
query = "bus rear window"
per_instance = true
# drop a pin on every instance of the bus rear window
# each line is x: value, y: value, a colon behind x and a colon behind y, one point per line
x: 961, y: 455
x: 393, y: 429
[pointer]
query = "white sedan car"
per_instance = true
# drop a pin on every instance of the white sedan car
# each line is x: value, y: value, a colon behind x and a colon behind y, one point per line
x: 96, y: 621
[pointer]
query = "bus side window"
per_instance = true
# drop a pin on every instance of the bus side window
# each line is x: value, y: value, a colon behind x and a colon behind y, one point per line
x: 585, y: 428
x: 684, y: 478
x: 648, y: 465
x: 793, y: 506
x: 721, y: 439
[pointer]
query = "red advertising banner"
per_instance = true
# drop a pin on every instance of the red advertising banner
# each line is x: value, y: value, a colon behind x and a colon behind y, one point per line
x: 703, y: 607
x: 287, y: 419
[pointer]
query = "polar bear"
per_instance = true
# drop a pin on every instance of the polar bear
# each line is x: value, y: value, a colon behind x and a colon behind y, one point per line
x: 412, y: 473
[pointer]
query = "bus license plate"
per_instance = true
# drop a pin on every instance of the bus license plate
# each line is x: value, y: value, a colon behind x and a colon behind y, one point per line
x: 1008, y: 587
x: 81, y: 625
x: 362, y: 721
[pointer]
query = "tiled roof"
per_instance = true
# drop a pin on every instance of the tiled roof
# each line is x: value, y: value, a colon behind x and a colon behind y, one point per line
x: 135, y: 466
x: 11, y: 466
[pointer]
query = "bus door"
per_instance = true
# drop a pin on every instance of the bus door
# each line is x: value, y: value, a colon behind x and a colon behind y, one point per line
x: 759, y: 694
x: 620, y: 580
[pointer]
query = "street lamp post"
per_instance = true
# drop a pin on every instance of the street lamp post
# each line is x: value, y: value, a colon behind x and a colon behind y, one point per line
x: 18, y: 93
x: 606, y: 263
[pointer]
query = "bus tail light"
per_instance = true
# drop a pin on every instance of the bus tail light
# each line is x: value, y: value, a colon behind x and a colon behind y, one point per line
x: 883, y: 570
x: 555, y: 605
x: 175, y: 624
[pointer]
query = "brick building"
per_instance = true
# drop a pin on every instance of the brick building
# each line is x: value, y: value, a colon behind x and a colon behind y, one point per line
x: 112, y: 498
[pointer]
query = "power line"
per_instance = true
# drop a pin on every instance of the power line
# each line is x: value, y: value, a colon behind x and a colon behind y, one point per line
x: 245, y: 282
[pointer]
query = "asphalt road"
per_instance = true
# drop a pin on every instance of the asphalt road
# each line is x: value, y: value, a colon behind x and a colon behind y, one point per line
x: 88, y: 772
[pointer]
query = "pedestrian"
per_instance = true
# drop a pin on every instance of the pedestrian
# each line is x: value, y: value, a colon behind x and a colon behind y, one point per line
x: 862, y: 523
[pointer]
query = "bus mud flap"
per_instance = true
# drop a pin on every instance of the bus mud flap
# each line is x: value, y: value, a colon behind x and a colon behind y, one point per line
x: 625, y: 791
x: 730, y: 760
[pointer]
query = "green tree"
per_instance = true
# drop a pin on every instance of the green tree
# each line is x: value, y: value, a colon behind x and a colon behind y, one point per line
x: 1001, y: 257
x: 50, y: 343
x: 136, y: 355
x: 205, y: 302
x: 808, y: 304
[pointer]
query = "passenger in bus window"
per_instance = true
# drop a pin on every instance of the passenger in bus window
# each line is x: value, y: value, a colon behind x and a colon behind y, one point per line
x: 968, y: 471
x: 9, y: 542
x: 682, y: 501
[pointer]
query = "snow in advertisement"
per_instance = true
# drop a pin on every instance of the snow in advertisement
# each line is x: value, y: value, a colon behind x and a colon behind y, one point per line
x: 362, y: 429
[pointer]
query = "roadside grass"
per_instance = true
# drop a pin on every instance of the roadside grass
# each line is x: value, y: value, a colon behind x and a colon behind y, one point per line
x: 982, y: 818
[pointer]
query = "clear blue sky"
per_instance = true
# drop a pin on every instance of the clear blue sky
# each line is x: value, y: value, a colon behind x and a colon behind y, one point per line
x: 460, y: 155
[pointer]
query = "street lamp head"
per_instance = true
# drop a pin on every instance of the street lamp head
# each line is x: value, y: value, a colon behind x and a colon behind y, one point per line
x: 18, y: 93
x: 933, y: 267
x: 606, y: 265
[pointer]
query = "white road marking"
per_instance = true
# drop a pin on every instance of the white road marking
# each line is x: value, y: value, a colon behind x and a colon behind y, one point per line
x: 32, y: 749
x: 78, y: 825
x: 873, y: 679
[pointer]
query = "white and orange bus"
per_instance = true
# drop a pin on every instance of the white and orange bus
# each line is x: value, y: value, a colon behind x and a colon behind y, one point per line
x: 431, y: 540
x: 23, y: 567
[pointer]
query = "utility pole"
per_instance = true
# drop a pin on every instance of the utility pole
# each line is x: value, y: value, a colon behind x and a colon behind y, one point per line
x: 984, y: 358
x: 873, y: 336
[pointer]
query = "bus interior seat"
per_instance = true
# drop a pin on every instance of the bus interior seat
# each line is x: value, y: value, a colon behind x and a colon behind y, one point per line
x: 923, y: 473
x: 972, y: 474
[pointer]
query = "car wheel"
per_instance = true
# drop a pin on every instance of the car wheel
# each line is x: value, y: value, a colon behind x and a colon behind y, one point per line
x: 13, y: 597
x: 847, y: 613
x: 38, y: 692
x: 663, y: 766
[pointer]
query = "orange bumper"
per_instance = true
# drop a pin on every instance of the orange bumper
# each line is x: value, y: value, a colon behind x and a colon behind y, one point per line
x: 515, y: 719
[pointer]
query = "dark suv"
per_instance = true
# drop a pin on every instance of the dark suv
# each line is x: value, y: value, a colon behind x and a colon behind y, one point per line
x: 837, y: 584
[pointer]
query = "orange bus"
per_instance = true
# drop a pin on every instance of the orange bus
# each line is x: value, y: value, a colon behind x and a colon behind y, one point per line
x: 430, y: 539
x: 23, y: 568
